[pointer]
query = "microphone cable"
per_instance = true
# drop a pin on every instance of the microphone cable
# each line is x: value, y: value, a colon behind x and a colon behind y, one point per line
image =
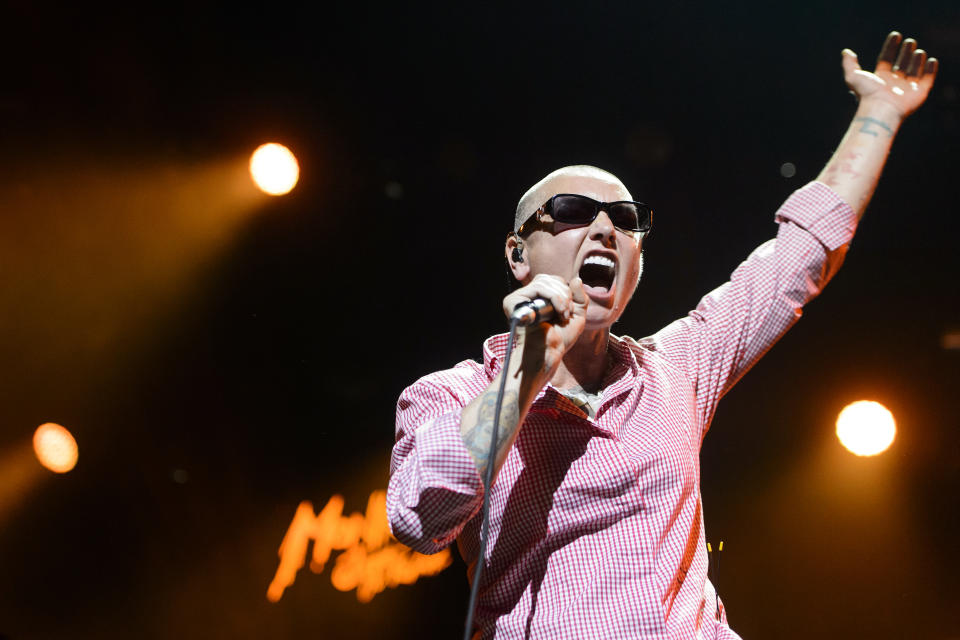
x: 488, y: 480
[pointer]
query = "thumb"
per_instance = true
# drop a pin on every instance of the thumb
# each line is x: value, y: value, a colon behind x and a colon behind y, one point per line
x: 849, y: 61
x: 577, y: 294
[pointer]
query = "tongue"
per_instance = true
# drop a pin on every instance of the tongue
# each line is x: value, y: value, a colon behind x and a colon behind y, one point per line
x: 599, y: 290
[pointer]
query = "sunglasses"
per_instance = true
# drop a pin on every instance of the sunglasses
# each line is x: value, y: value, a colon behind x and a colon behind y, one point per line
x: 571, y: 208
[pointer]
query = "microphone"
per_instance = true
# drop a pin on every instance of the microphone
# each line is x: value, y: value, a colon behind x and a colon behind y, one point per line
x: 532, y: 312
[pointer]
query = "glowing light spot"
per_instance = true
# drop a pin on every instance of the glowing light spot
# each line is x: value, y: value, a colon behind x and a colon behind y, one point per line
x: 55, y: 447
x: 866, y: 428
x: 274, y: 169
x: 393, y: 190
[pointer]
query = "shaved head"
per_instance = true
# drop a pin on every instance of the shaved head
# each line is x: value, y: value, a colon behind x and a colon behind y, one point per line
x: 545, y: 189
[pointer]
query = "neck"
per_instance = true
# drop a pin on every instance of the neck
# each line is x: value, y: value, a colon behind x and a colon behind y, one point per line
x: 585, y: 364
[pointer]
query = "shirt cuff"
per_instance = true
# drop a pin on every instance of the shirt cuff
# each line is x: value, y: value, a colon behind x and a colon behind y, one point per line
x: 445, y: 459
x: 819, y: 210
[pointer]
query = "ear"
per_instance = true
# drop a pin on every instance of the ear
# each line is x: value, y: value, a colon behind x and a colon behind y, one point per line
x: 520, y: 269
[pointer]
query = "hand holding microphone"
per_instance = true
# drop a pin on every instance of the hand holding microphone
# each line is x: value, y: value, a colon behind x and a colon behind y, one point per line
x: 545, y: 298
x: 554, y: 311
x: 532, y: 312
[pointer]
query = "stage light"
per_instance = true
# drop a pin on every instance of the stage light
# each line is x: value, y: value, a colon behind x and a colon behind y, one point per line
x: 274, y: 169
x: 55, y: 447
x: 866, y: 428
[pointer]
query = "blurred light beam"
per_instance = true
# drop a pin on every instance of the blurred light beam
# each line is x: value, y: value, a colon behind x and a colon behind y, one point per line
x: 118, y: 248
x: 19, y: 473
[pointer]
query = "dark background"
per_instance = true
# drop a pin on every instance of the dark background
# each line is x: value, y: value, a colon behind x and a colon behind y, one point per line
x: 221, y: 356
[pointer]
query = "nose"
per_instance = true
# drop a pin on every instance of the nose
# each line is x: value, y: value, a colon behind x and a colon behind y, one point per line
x: 602, y: 230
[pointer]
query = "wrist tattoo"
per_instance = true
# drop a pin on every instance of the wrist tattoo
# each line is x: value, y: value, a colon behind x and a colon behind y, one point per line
x: 869, y: 122
x: 477, y: 438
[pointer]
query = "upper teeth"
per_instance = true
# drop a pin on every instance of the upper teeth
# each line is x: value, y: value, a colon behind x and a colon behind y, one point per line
x: 601, y: 260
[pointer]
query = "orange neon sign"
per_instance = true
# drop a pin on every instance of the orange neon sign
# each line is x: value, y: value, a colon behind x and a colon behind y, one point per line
x: 372, y: 559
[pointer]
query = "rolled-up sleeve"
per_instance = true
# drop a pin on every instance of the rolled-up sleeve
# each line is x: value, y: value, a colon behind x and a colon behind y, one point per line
x: 735, y: 324
x: 435, y: 488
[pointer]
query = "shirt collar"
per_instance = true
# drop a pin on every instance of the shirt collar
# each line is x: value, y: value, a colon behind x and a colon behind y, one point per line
x: 624, y: 359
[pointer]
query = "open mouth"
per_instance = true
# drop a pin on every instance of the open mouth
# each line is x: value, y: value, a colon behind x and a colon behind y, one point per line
x: 598, y: 273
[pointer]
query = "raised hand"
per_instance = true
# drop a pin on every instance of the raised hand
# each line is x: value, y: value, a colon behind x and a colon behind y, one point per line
x: 902, y: 79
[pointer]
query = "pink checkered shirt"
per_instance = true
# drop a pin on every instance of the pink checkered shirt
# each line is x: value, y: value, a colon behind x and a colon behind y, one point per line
x: 596, y: 527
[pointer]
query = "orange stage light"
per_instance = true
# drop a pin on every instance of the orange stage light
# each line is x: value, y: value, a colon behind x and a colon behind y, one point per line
x: 274, y: 169
x: 866, y: 428
x: 55, y: 447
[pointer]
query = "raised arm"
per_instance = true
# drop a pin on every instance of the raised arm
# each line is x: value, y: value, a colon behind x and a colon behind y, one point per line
x: 896, y: 88
x: 734, y: 325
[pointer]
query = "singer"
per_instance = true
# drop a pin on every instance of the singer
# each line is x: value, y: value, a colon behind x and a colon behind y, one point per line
x: 596, y: 526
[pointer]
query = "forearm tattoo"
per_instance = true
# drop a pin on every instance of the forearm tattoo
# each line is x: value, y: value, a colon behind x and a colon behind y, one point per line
x: 869, y: 124
x: 844, y: 165
x: 477, y: 437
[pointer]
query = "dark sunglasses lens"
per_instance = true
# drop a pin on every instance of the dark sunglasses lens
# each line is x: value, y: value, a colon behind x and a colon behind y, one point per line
x: 626, y: 216
x: 644, y: 218
x: 572, y: 209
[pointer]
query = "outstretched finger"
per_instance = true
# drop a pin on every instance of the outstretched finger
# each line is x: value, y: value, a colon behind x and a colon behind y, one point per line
x: 917, y: 63
x: 888, y: 52
x: 929, y: 73
x: 906, y: 52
